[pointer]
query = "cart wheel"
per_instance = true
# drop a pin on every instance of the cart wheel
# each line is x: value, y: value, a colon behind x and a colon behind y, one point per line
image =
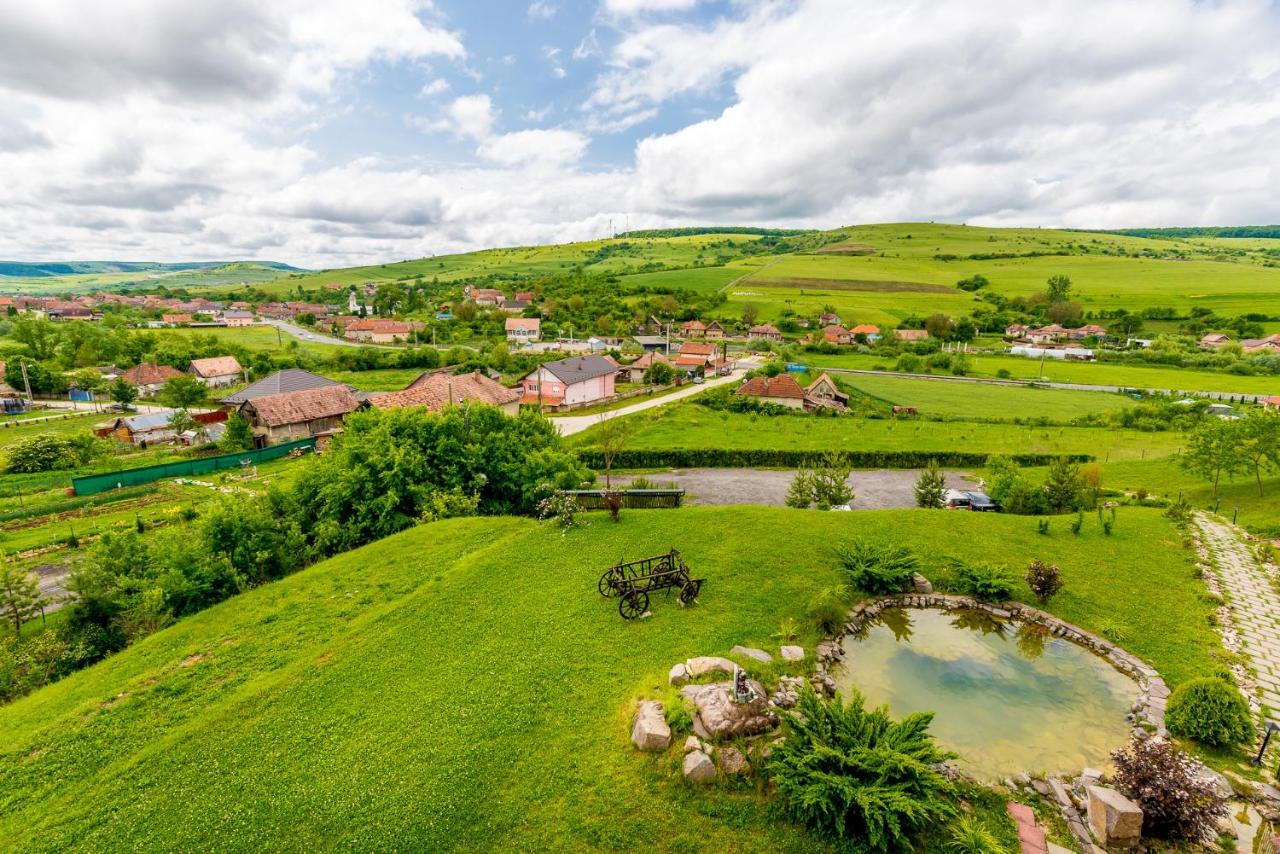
x: 608, y: 585
x: 689, y: 593
x: 633, y: 604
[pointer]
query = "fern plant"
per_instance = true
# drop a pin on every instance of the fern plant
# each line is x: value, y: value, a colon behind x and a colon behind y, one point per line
x: 971, y: 836
x: 878, y: 570
x: 857, y: 775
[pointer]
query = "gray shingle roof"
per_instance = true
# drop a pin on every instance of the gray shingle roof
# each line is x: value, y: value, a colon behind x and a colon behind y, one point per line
x: 578, y: 369
x: 281, y: 382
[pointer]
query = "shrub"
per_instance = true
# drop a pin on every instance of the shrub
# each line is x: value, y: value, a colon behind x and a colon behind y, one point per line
x: 824, y: 484
x: 878, y: 570
x: 561, y: 507
x: 1078, y: 523
x: 1044, y: 580
x: 931, y: 486
x: 828, y: 609
x: 1042, y: 526
x: 1176, y: 803
x: 971, y: 836
x: 1210, y: 711
x: 983, y: 581
x: 787, y: 630
x: 678, y: 717
x: 50, y: 453
x: 859, y: 776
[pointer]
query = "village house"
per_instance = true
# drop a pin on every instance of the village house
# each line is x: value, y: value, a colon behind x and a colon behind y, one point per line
x: 1213, y: 341
x: 175, y: 319
x: 523, y: 331
x: 1089, y: 330
x: 694, y: 358
x: 692, y: 329
x: 373, y: 330
x: 871, y: 333
x: 1016, y: 330
x: 782, y: 390
x: 524, y: 296
x: 1270, y: 344
x: 714, y: 331
x: 1272, y: 403
x: 237, y: 318
x: 823, y: 391
x: 435, y: 391
x: 218, y: 371
x: 487, y: 296
x: 911, y: 334
x: 650, y: 342
x: 829, y: 318
x: 512, y: 306
x: 765, y: 331
x: 298, y: 414
x: 148, y: 378
x: 837, y: 334
x: 634, y: 371
x: 1045, y: 334
x: 568, y: 382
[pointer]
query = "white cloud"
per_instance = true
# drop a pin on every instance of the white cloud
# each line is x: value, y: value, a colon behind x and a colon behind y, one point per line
x: 535, y: 147
x: 435, y: 87
x: 636, y: 7
x: 542, y: 9
x: 467, y: 116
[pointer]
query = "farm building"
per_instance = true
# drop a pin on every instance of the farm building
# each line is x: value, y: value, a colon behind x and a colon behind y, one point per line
x: 438, y: 390
x: 765, y: 331
x: 1213, y: 341
x: 282, y: 382
x: 378, y: 331
x: 298, y: 414
x: 693, y: 329
x: 870, y: 332
x: 823, y: 391
x: 567, y: 382
x: 237, y: 318
x: 148, y: 378
x: 147, y: 429
x: 218, y: 371
x: 911, y: 334
x: 836, y: 334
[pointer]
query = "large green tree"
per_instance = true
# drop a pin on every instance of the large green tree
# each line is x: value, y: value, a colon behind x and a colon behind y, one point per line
x: 20, y: 598
x: 1260, y: 443
x: 1059, y: 289
x: 1214, y: 449
x: 182, y: 392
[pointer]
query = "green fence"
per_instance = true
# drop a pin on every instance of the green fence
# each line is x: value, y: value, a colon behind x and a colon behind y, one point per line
x: 90, y: 484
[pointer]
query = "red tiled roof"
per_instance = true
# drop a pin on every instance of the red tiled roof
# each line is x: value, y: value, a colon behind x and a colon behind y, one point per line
x: 764, y: 329
x: 783, y: 385
x: 218, y: 366
x: 440, y: 390
x: 149, y: 374
x: 689, y: 348
x: 297, y: 407
x: 865, y: 329
x: 530, y: 324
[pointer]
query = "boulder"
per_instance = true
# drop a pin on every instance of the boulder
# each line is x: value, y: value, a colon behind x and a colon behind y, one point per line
x: 1115, y: 820
x: 731, y: 760
x: 752, y: 653
x: 692, y: 743
x: 678, y: 675
x: 704, y: 664
x: 698, y: 767
x: 719, y: 716
x: 792, y: 653
x: 921, y: 584
x: 649, y: 731
x: 1220, y: 783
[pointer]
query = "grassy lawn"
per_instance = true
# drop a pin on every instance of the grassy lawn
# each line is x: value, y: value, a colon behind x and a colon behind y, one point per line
x: 384, y: 379
x: 689, y: 425
x: 265, y: 338
x: 968, y: 400
x: 1088, y: 373
x: 463, y: 686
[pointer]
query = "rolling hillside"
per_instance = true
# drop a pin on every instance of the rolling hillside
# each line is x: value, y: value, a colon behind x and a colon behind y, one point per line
x: 463, y: 686
x: 77, y: 276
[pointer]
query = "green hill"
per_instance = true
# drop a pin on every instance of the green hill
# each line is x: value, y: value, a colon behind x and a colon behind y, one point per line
x: 462, y: 685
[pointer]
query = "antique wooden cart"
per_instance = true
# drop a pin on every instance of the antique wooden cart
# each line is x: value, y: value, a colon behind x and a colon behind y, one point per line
x: 633, y: 581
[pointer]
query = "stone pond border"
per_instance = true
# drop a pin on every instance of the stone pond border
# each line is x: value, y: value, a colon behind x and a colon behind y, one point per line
x: 1149, y: 707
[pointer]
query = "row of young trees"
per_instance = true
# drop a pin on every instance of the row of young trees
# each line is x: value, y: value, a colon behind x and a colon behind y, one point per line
x: 1234, y: 446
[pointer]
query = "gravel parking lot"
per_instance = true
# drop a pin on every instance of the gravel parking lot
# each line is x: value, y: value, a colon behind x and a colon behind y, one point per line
x: 873, y: 490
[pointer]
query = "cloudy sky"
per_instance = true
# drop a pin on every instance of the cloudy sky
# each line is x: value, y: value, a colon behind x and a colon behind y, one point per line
x: 333, y: 132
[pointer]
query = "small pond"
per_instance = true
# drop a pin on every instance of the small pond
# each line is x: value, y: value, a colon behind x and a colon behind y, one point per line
x: 1007, y: 696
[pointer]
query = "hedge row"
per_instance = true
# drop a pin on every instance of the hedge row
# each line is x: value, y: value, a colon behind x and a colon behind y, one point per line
x: 790, y: 458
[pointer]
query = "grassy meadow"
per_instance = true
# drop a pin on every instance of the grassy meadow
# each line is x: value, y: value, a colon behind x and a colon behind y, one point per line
x: 692, y: 426
x: 462, y: 686
x: 945, y: 399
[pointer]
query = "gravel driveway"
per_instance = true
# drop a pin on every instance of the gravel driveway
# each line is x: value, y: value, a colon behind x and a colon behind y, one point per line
x: 873, y: 490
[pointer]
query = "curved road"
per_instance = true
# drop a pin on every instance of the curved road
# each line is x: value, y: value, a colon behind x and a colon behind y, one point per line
x: 570, y: 424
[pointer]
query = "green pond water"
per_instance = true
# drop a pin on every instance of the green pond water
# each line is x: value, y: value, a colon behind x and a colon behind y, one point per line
x: 1007, y: 697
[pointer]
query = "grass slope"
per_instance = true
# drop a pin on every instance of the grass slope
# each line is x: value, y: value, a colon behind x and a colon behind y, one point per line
x: 462, y: 686
x: 972, y: 400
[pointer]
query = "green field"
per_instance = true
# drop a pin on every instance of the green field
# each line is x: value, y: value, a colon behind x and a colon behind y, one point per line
x: 945, y: 399
x: 1084, y: 373
x: 692, y: 426
x: 265, y: 338
x: 462, y: 686
x: 227, y: 274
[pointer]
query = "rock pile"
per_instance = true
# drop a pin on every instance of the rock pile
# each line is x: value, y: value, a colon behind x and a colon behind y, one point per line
x: 649, y: 730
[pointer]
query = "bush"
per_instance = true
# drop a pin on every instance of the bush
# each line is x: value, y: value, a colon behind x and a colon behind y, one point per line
x: 1042, y: 526
x: 971, y: 836
x: 828, y: 609
x: 824, y: 484
x: 983, y: 581
x: 859, y: 776
x: 1044, y: 580
x: 1210, y: 711
x: 50, y: 453
x: 1176, y: 803
x: 878, y: 570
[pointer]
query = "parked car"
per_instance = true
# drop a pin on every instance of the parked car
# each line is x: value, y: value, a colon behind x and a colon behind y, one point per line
x: 954, y: 499
x: 980, y: 502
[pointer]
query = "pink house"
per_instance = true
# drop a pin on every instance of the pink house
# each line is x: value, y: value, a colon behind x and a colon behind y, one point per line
x: 576, y: 380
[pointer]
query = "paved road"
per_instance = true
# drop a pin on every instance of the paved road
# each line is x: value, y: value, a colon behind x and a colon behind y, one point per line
x: 312, y: 337
x: 570, y: 424
x: 1217, y: 395
x: 872, y: 490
